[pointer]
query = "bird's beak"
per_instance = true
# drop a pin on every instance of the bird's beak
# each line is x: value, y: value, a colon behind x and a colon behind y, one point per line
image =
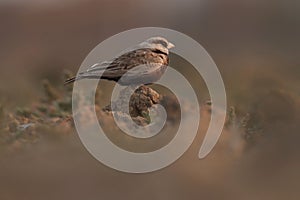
x: 170, y: 45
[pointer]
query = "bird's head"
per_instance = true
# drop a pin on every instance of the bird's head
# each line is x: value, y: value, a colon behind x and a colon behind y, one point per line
x: 158, y: 43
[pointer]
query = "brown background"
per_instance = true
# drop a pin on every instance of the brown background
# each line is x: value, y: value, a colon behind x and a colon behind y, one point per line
x: 255, y: 44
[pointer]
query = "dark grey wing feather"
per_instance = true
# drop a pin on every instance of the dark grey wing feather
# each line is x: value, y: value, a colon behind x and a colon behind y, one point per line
x: 115, y: 69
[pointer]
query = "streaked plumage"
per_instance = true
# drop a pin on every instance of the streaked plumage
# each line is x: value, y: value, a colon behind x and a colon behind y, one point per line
x: 152, y: 54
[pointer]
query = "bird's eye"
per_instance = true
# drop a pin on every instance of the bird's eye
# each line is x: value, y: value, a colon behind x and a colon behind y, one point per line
x: 164, y: 43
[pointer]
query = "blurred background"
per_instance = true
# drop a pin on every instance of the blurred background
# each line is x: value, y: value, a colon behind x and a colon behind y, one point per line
x: 256, y: 47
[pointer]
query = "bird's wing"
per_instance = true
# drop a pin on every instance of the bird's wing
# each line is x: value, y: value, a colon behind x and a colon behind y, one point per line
x: 97, y: 67
x: 127, y: 61
x: 144, y: 69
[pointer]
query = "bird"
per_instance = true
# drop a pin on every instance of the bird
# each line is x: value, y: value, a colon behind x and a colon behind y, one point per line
x: 152, y: 55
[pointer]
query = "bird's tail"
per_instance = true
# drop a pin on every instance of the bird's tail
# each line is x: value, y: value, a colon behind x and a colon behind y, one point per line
x: 84, y: 76
x: 72, y: 80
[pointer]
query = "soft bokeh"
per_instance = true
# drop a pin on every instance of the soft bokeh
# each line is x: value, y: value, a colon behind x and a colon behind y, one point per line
x: 254, y: 43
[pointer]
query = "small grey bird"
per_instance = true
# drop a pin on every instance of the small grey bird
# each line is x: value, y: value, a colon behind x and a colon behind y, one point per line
x: 152, y: 55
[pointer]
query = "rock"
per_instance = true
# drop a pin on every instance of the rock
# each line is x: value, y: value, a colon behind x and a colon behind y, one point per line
x: 141, y: 100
